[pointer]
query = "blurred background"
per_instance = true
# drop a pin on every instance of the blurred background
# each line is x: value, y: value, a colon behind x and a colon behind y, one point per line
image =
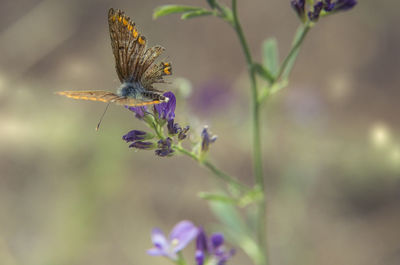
x: 71, y: 195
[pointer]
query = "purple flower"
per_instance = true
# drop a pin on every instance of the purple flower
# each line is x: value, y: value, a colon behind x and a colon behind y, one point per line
x: 212, y: 248
x: 299, y: 7
x: 180, y: 236
x: 166, y: 110
x: 343, y: 5
x: 164, y: 147
x: 136, y: 135
x: 206, y: 139
x: 143, y: 145
x: 139, y: 111
x: 328, y: 6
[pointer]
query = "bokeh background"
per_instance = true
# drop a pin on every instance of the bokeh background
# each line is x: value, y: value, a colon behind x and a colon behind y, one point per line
x: 71, y: 195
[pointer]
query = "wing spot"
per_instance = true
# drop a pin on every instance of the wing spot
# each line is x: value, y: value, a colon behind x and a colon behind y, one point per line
x: 135, y: 33
x: 141, y: 40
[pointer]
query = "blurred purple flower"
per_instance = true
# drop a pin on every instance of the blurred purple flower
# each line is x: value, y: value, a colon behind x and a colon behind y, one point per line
x: 212, y: 96
x: 206, y: 139
x: 211, y: 248
x: 179, y: 238
x: 166, y: 110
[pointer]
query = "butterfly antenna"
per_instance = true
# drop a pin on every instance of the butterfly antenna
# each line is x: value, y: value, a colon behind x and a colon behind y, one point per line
x: 101, y: 118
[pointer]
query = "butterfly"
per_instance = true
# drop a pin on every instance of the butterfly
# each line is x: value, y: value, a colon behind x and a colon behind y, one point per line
x: 135, y: 66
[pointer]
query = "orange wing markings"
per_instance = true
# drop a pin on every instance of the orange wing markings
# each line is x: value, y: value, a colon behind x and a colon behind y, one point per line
x: 105, y: 96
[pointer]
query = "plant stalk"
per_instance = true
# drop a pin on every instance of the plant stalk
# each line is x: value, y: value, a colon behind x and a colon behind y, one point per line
x: 257, y: 153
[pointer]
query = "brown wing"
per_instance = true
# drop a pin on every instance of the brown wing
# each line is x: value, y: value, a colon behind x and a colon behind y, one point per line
x: 106, y: 96
x: 155, y: 74
x: 133, y: 61
x: 127, y: 44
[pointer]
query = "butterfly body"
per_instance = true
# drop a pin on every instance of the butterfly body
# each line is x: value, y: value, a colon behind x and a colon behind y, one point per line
x: 134, y: 64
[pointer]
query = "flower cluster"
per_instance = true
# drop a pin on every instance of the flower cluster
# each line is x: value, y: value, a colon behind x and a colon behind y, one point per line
x: 208, y: 250
x: 320, y: 8
x: 161, y: 115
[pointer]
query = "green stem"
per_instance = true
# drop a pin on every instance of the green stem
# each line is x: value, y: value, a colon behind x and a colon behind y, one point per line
x: 257, y: 154
x: 181, y: 260
x: 217, y: 172
x: 295, y: 48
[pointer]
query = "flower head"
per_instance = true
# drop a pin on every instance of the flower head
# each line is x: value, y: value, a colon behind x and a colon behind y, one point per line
x: 321, y: 8
x: 212, y: 248
x: 180, y: 236
x: 166, y: 110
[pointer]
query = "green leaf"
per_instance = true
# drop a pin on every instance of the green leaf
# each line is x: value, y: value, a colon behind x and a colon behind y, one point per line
x: 197, y: 13
x: 264, y: 73
x: 270, y: 55
x: 236, y: 229
x: 228, y: 216
x: 217, y: 197
x: 173, y: 9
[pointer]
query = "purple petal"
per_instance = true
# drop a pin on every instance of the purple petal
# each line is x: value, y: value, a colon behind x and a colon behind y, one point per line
x: 182, y: 234
x: 134, y: 135
x: 166, y: 110
x: 217, y: 240
x: 156, y: 252
x: 142, y: 145
x: 159, y: 240
x: 222, y: 259
x: 199, y: 256
x: 201, y: 240
x: 139, y: 111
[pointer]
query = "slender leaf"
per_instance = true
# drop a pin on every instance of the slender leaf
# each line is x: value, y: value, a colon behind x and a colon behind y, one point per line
x: 271, y: 55
x: 236, y: 229
x: 173, y: 9
x: 197, y: 13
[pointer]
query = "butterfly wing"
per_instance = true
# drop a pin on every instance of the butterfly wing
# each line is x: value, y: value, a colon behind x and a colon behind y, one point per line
x: 127, y: 44
x: 133, y: 62
x: 106, y: 96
